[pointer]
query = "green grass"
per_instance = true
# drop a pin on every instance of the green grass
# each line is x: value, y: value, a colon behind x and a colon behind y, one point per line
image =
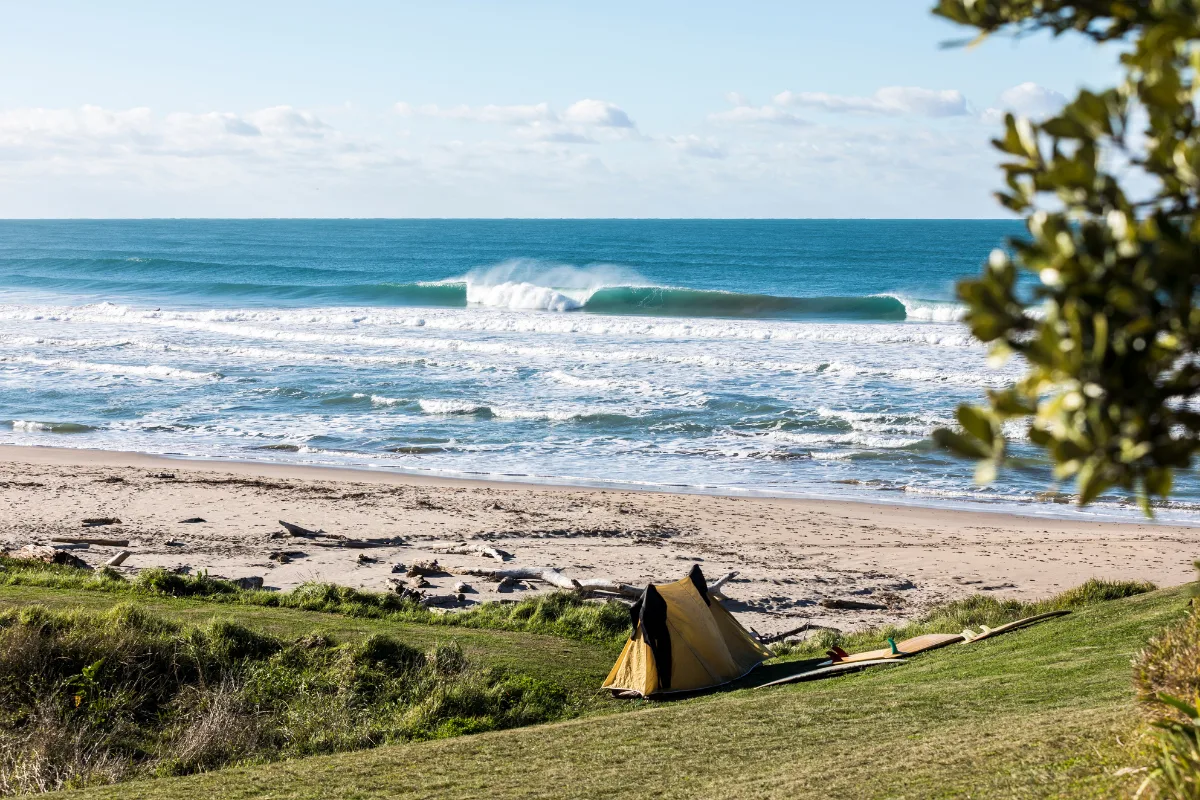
x: 569, y: 662
x: 1044, y: 712
x: 92, y: 697
x: 970, y: 612
x: 556, y: 614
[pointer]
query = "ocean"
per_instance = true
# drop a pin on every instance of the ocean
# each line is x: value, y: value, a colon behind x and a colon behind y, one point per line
x: 805, y: 358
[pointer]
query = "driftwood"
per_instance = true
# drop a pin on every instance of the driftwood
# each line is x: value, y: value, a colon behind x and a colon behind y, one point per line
x: 551, y: 575
x: 400, y: 587
x: 608, y: 586
x: 322, y: 539
x: 852, y: 605
x: 191, y: 520
x: 87, y: 540
x: 415, y: 582
x: 808, y: 626
x: 424, y: 568
x: 462, y: 587
x: 363, y: 544
x: 296, y: 530
x: 715, y: 586
x: 545, y: 574
x: 93, y: 522
x: 464, y: 549
x: 118, y: 559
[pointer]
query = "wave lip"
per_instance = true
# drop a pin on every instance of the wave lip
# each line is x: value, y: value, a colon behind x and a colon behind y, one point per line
x: 34, y: 426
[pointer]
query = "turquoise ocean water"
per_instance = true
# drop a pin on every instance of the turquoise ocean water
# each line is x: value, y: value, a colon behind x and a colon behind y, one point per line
x: 791, y: 358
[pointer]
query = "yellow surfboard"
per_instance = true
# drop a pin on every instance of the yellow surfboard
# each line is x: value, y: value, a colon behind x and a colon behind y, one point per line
x: 829, y: 671
x: 908, y: 647
x: 986, y: 633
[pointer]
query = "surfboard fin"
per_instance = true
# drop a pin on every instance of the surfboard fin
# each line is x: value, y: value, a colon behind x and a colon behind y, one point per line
x: 836, y: 654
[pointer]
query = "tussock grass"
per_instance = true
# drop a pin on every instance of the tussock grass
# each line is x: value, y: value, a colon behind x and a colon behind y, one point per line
x: 970, y: 612
x: 91, y: 698
x: 561, y: 614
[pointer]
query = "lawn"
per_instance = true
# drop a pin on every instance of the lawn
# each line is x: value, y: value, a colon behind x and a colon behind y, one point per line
x: 1044, y: 712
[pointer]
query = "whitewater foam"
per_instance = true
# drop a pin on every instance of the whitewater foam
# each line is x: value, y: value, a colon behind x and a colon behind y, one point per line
x: 157, y: 371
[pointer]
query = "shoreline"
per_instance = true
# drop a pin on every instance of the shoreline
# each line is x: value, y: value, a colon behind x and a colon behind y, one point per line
x: 790, y: 553
x: 1045, y: 511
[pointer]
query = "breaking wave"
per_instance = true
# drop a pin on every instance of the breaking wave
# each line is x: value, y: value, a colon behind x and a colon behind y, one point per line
x: 520, y: 284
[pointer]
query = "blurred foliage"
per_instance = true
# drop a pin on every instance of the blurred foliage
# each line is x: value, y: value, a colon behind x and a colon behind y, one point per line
x: 1111, y: 330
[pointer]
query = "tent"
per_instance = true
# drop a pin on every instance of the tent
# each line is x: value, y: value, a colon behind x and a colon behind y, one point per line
x: 682, y: 640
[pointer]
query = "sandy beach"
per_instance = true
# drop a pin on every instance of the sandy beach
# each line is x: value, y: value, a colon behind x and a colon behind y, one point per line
x: 789, y: 554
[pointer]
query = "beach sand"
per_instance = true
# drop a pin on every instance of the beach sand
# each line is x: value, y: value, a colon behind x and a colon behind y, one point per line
x: 789, y: 554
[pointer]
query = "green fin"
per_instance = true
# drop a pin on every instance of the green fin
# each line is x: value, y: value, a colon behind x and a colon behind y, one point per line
x: 892, y: 644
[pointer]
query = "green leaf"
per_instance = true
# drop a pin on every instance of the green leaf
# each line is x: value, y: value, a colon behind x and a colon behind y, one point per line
x: 961, y: 445
x: 976, y: 422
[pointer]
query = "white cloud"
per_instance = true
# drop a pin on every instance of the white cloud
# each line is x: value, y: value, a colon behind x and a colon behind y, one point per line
x: 94, y: 140
x: 584, y: 113
x: 527, y: 160
x: 754, y: 115
x: 1027, y: 100
x: 888, y: 100
x: 504, y: 115
x: 696, y: 146
x: 598, y: 113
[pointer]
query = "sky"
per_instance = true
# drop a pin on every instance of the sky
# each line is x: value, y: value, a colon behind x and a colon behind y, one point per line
x: 515, y: 109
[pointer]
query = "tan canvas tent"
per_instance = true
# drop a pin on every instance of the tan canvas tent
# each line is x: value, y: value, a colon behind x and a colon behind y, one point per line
x: 682, y: 640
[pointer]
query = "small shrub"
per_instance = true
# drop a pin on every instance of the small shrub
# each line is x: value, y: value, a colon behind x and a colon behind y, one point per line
x: 1175, y: 770
x: 384, y: 651
x: 1170, y: 664
x: 160, y: 581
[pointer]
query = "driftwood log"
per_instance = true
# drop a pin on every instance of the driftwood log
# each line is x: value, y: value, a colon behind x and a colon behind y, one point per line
x: 851, y: 605
x: 608, y: 586
x: 424, y: 568
x: 118, y: 559
x: 94, y: 522
x: 464, y: 549
x: 554, y: 577
x: 297, y: 530
x: 322, y: 539
x: 545, y: 574
x: 805, y: 628
x: 89, y: 540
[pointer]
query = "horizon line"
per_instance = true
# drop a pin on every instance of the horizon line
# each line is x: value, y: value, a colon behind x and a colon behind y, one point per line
x: 510, y: 219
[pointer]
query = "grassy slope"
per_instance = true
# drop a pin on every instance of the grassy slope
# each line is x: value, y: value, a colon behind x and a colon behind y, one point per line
x: 1036, y: 713
x: 570, y: 663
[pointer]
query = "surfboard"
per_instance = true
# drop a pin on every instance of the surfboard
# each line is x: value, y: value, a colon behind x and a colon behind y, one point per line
x: 986, y: 633
x: 908, y: 647
x: 836, y: 669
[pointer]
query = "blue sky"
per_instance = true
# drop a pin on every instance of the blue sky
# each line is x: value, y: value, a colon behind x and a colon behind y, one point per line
x: 660, y: 109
